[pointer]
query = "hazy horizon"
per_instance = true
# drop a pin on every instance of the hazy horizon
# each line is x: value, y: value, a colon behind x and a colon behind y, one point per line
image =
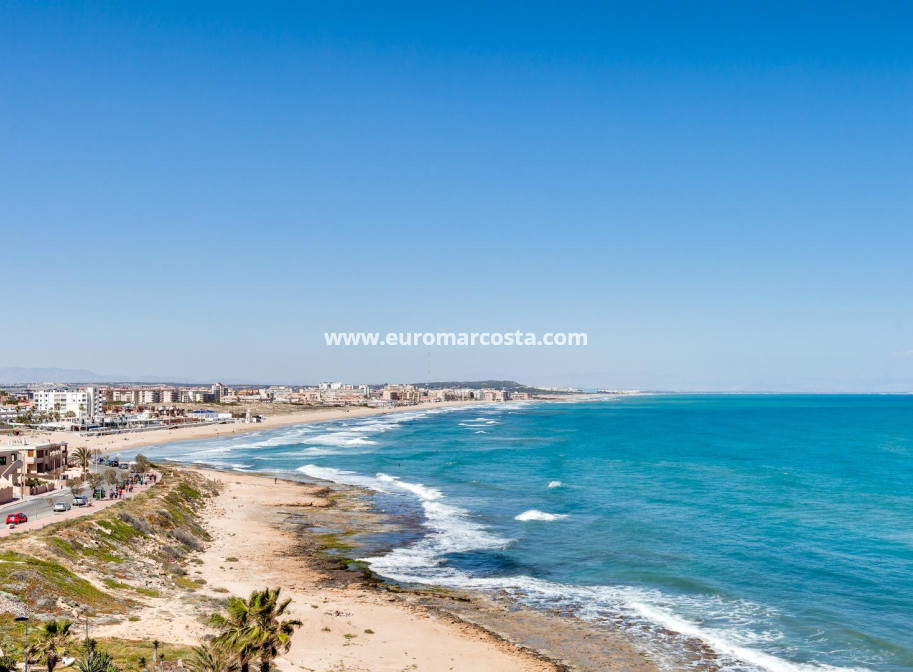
x: 84, y: 376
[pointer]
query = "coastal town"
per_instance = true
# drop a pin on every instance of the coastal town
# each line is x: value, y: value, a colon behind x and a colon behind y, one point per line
x: 107, y: 408
x: 42, y: 422
x: 140, y: 556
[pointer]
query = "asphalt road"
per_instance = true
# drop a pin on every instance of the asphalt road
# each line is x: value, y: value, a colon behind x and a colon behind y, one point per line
x: 38, y: 508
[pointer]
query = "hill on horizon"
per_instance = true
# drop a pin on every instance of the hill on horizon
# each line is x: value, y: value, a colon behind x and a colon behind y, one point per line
x: 509, y: 385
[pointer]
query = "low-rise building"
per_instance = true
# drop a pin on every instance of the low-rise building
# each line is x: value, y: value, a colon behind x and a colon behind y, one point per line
x: 10, y: 472
x: 44, y: 460
x: 10, y: 465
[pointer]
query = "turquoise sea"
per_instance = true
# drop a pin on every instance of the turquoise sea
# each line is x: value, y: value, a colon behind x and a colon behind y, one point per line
x: 778, y: 529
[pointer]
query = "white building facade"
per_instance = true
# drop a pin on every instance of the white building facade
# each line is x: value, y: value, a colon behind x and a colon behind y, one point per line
x: 84, y: 403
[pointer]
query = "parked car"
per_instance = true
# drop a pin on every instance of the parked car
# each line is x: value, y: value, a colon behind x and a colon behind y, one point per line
x: 60, y: 507
x: 16, y: 519
x: 80, y: 500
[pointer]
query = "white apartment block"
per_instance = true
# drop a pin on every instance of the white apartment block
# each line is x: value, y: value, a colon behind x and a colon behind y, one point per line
x: 85, y: 403
x: 147, y: 397
x: 171, y: 396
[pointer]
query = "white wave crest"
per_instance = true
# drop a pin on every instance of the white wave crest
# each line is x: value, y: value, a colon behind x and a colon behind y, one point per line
x: 536, y: 514
x: 342, y: 476
x: 422, y: 492
x: 342, y: 439
x: 555, y: 484
x: 450, y: 528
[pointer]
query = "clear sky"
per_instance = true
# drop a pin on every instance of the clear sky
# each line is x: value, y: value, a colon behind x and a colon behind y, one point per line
x: 721, y: 198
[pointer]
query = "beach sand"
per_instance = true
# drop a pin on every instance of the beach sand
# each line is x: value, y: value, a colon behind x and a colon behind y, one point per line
x: 133, y: 440
x: 267, y: 533
x: 270, y: 532
x: 347, y: 626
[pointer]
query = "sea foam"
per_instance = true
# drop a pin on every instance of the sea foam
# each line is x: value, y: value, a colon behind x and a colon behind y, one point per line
x: 341, y: 439
x: 536, y: 514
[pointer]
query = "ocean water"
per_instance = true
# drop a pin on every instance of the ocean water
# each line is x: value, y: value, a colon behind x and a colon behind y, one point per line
x: 777, y: 529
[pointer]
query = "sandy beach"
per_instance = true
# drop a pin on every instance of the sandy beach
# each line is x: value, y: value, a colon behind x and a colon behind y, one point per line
x: 347, y: 626
x: 132, y: 440
x: 267, y: 532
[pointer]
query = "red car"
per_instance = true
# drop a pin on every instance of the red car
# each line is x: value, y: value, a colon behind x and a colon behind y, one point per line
x: 16, y: 518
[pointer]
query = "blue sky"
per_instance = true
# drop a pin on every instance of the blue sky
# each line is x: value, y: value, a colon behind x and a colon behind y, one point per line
x: 720, y: 198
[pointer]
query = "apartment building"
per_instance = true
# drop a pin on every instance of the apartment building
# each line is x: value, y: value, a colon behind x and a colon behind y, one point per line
x: 46, y: 460
x: 400, y: 393
x: 10, y: 472
x: 84, y: 403
x: 10, y: 464
x: 170, y: 396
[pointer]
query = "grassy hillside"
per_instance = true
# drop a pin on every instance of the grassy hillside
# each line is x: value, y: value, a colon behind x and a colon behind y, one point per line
x: 109, y: 565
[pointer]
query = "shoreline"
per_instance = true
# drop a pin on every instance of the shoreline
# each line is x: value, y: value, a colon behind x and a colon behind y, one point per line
x: 551, y: 635
x: 131, y: 440
x: 322, y: 539
x: 274, y: 532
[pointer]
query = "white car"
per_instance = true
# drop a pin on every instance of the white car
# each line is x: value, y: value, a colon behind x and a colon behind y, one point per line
x: 79, y: 500
x: 61, y: 507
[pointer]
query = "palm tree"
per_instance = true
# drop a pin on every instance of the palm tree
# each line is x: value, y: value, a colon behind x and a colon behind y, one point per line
x: 96, y: 661
x: 82, y: 457
x: 235, y: 626
x: 54, y: 641
x: 211, y: 658
x: 272, y: 636
x: 155, y: 652
x: 252, y: 628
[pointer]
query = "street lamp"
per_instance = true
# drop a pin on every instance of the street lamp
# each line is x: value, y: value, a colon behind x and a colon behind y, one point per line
x: 26, y: 619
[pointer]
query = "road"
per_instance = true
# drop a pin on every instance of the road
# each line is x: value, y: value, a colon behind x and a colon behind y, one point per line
x: 40, y: 509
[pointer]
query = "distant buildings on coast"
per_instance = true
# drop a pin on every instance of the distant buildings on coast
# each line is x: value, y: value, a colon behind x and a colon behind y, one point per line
x: 107, y: 408
x: 323, y: 394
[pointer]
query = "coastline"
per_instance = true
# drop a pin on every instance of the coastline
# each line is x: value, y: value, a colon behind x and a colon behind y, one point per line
x: 296, y: 533
x: 299, y: 534
x: 304, y: 554
x: 267, y: 531
x: 133, y: 440
x: 279, y: 529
